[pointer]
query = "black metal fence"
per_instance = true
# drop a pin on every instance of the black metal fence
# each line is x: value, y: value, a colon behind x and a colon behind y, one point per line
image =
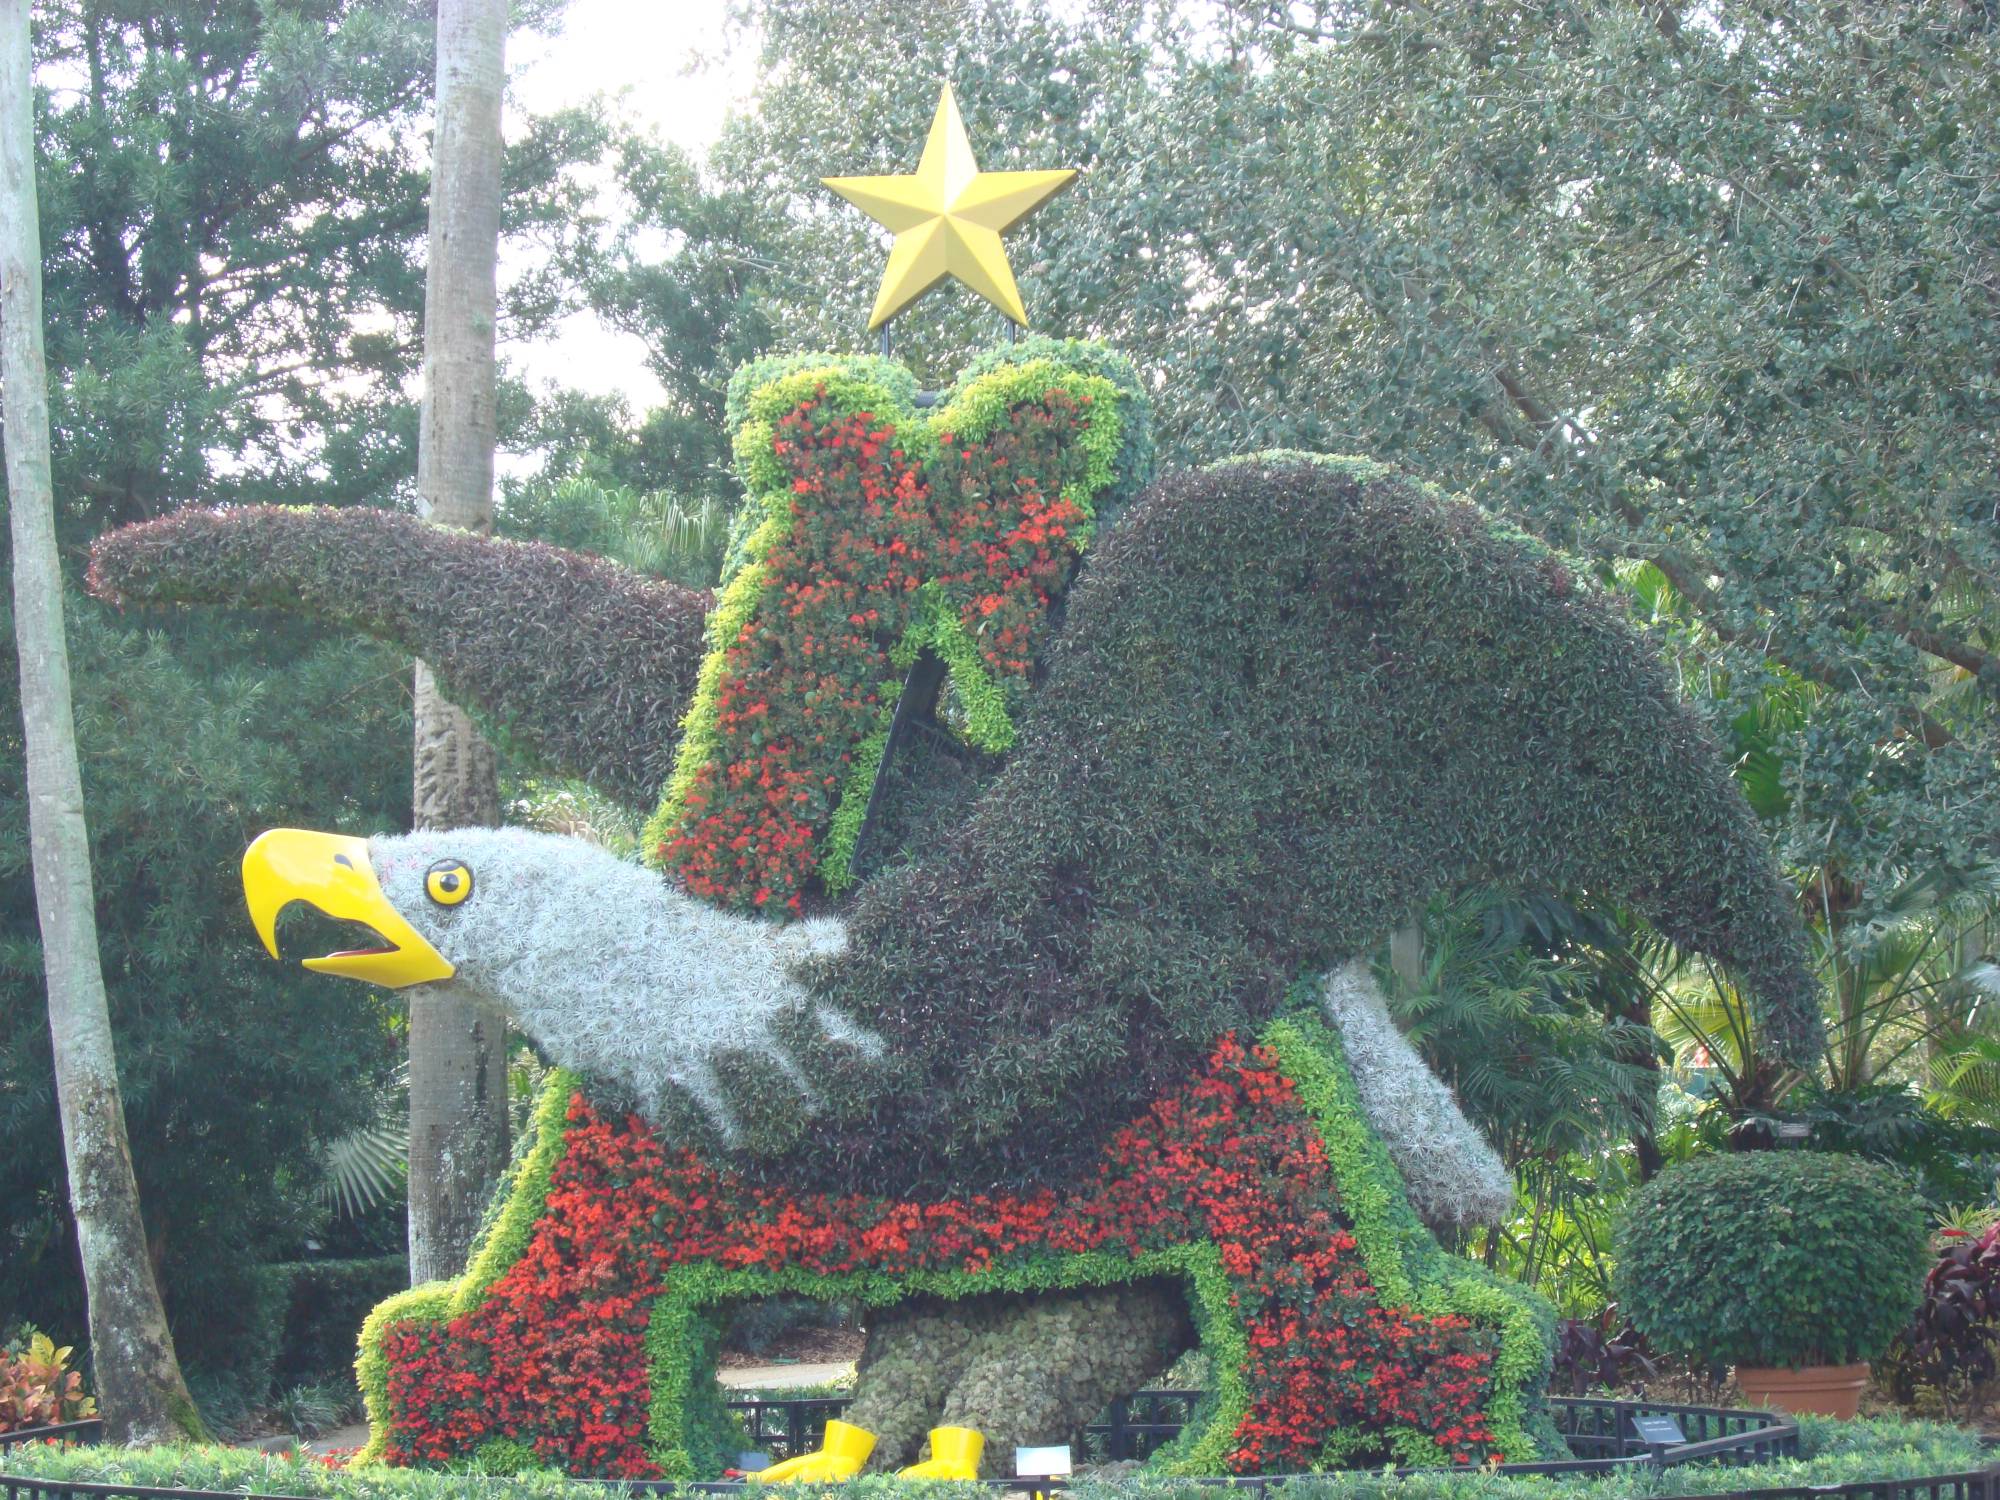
x: 1604, y: 1434
x: 785, y: 1428
x: 1137, y: 1425
x: 89, y: 1431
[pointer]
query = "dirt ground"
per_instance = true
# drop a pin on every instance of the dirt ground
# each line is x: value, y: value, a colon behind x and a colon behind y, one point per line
x: 804, y: 1346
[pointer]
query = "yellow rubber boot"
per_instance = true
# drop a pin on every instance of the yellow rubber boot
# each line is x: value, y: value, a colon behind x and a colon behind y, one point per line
x: 955, y: 1454
x: 840, y: 1455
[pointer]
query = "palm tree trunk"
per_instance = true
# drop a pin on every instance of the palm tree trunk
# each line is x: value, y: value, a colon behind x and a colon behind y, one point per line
x: 458, y: 1052
x: 139, y: 1381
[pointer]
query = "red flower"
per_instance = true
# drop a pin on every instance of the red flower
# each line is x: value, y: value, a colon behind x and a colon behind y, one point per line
x: 556, y: 1354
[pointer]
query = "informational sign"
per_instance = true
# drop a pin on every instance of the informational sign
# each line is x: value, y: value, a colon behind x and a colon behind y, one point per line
x: 1041, y: 1463
x: 753, y: 1463
x: 1659, y: 1432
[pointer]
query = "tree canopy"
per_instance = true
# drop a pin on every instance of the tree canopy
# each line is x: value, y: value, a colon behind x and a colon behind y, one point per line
x: 1708, y: 297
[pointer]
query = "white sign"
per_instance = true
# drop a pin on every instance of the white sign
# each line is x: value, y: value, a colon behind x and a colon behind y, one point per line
x: 1041, y: 1463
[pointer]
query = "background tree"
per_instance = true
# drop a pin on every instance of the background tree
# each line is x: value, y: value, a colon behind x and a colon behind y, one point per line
x: 1705, y: 296
x: 143, y: 1396
x: 458, y: 1048
x: 276, y: 364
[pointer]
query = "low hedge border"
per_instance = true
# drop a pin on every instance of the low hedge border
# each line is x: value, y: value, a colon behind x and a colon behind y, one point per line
x: 1832, y: 1453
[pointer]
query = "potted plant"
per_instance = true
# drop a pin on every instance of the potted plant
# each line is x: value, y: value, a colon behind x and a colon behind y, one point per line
x: 1795, y: 1267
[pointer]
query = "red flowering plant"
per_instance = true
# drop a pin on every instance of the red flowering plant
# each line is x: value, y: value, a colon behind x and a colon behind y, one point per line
x: 880, y: 533
x: 1337, y: 1335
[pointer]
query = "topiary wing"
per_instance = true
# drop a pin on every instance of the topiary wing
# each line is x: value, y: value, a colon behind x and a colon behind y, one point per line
x: 583, y: 664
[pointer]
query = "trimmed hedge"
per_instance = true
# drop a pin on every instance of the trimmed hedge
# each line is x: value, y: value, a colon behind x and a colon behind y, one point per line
x: 580, y: 663
x: 1831, y: 1453
x: 329, y: 1301
x: 1786, y: 1258
x: 1292, y: 701
x: 1377, y: 693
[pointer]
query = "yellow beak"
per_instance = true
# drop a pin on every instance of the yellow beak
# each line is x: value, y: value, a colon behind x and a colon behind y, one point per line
x: 332, y: 873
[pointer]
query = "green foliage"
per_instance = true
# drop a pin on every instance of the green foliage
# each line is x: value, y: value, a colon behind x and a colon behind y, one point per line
x: 367, y: 1168
x: 327, y: 1302
x: 1698, y: 292
x: 653, y: 532
x: 1378, y: 697
x: 1517, y: 1032
x: 700, y: 310
x: 236, y: 1072
x: 1831, y: 1453
x: 759, y: 1327
x: 310, y: 1410
x: 1949, y: 1161
x: 228, y: 188
x: 1773, y: 1258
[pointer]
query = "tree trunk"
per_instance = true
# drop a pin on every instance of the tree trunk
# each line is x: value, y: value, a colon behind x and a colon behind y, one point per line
x: 458, y: 1052
x: 139, y: 1383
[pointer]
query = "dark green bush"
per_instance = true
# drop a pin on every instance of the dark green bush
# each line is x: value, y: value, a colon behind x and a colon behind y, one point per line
x: 328, y: 1302
x: 1773, y: 1258
x: 760, y: 1326
x: 1831, y: 1453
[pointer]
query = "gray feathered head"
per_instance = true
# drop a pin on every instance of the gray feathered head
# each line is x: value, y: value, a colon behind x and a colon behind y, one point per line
x: 609, y: 969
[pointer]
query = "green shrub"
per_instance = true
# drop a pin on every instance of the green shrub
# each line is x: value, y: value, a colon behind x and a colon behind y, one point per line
x: 1831, y: 1453
x: 1772, y: 1258
x: 311, y: 1410
x: 1380, y: 695
x: 329, y: 1301
x: 760, y: 1326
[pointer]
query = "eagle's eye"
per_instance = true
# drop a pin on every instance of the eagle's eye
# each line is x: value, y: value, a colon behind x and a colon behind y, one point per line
x: 448, y: 882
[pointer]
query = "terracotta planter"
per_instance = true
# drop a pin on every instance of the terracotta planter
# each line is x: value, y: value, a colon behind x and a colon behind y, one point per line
x: 1826, y: 1390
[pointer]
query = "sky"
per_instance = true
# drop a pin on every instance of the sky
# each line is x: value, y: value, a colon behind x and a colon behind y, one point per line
x: 663, y: 63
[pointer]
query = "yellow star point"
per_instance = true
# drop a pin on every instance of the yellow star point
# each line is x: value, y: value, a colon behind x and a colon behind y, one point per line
x: 947, y: 218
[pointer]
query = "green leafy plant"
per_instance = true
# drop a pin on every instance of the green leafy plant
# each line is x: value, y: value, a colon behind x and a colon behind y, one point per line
x: 1830, y: 1453
x: 1772, y: 1258
x: 37, y: 1387
x: 310, y: 1410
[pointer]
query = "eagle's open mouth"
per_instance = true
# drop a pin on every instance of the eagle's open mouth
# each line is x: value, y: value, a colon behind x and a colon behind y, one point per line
x: 329, y: 876
x: 304, y: 931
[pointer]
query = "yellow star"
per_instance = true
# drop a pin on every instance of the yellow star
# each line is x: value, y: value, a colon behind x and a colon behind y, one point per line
x: 947, y: 217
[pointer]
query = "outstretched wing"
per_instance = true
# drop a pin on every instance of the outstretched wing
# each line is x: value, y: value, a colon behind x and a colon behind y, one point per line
x: 583, y: 664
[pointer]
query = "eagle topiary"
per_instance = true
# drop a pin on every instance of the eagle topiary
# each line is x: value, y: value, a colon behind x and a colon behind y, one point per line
x: 1064, y: 1050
